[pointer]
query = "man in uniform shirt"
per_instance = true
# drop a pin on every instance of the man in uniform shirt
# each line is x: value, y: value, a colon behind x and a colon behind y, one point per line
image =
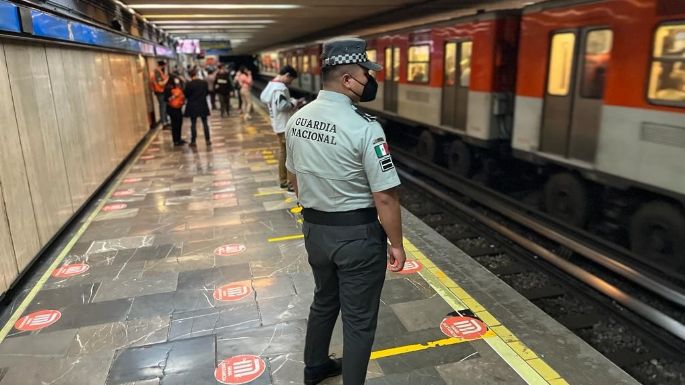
x: 339, y: 164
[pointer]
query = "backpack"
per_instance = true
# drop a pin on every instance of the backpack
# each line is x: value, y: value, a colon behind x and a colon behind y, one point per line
x: 177, y: 99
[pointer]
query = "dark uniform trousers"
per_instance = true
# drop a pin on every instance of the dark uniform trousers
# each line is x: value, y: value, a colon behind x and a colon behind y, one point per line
x: 349, y: 264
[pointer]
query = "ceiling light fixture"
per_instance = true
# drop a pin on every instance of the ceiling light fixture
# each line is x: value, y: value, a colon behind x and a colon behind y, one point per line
x: 215, y: 6
x: 217, y: 22
x: 206, y: 16
x: 174, y: 27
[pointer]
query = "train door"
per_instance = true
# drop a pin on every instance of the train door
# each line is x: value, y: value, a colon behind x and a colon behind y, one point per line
x: 456, y: 80
x: 575, y: 91
x: 392, y: 78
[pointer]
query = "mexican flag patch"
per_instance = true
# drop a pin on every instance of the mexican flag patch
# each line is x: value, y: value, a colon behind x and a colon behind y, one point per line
x: 381, y: 150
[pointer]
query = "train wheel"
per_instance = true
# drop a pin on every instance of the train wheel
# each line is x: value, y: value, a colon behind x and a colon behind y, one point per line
x: 460, y: 158
x: 426, y: 146
x: 566, y: 198
x: 656, y: 232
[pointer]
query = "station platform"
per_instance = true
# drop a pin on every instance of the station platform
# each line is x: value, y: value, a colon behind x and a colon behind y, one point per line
x: 193, y: 271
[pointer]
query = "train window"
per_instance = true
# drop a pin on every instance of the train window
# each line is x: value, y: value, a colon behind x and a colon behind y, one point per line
x: 396, y: 64
x: 305, y: 63
x: 418, y: 61
x: 388, y: 63
x: 371, y: 55
x: 450, y: 63
x: 293, y: 61
x: 667, y: 77
x: 561, y: 63
x: 465, y: 63
x: 314, y: 63
x: 598, y: 44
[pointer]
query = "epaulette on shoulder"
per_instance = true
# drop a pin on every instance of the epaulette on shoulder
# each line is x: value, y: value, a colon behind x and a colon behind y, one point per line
x: 367, y: 117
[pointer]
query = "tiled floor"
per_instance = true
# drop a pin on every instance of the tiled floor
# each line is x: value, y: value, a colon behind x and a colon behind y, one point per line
x: 177, y: 274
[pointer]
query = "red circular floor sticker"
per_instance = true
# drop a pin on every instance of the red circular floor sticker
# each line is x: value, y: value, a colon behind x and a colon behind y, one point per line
x: 463, y: 327
x: 131, y: 180
x: 222, y: 183
x: 239, y: 369
x: 152, y: 149
x: 228, y: 250
x: 114, y: 207
x: 221, y: 171
x: 410, y: 267
x: 232, y: 292
x: 123, y: 193
x: 147, y: 157
x: 66, y: 271
x: 219, y: 196
x: 37, y: 320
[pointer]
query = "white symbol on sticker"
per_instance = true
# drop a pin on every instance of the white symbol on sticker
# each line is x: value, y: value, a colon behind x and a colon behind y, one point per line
x: 42, y: 319
x: 468, y: 326
x: 411, y: 265
x: 247, y: 368
x: 235, y: 291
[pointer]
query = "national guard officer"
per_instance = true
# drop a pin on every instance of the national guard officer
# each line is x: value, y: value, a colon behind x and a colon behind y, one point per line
x: 339, y: 164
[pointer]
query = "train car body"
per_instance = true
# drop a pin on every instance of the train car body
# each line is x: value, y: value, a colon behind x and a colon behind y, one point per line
x: 307, y: 61
x: 601, y: 89
x: 456, y: 77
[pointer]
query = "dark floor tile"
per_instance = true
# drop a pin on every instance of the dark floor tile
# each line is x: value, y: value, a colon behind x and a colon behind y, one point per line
x: 64, y: 297
x: 148, y: 283
x: 42, y: 344
x: 440, y: 355
x: 421, y: 376
x: 273, y: 287
x: 406, y: 289
x: 214, y: 320
x: 282, y: 338
x: 282, y: 309
x: 182, y: 360
x: 210, y: 279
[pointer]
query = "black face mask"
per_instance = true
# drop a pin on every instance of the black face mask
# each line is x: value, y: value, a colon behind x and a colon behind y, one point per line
x: 370, y: 89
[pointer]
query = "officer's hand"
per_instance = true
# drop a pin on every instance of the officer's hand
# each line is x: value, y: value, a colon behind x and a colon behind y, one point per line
x: 396, y: 258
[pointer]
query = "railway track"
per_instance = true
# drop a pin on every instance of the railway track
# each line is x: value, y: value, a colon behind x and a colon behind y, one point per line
x: 630, y: 315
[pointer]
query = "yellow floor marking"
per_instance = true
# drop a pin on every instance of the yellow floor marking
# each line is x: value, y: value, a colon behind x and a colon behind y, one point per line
x: 271, y: 161
x: 263, y: 194
x: 65, y: 251
x: 286, y: 238
x: 515, y: 353
x: 418, y: 347
x: 296, y: 210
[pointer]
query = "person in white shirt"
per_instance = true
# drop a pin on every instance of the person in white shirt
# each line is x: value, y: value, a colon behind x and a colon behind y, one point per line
x: 281, y: 107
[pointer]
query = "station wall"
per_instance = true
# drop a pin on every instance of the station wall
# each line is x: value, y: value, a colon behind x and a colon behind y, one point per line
x: 68, y: 117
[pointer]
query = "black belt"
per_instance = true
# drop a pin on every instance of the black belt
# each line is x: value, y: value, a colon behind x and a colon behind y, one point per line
x: 340, y: 218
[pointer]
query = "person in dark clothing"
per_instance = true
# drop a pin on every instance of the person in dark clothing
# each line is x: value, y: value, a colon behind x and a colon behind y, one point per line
x: 175, y: 98
x: 196, y: 106
x: 223, y: 88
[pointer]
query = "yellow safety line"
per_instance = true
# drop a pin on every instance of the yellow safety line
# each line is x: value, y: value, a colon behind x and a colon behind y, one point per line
x: 418, y: 347
x: 529, y: 366
x: 263, y: 194
x: 286, y: 238
x: 65, y: 251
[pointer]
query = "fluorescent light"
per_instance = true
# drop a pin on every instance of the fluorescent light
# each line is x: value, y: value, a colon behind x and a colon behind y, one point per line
x: 169, y: 22
x: 215, y: 6
x: 173, y: 27
x: 207, y: 16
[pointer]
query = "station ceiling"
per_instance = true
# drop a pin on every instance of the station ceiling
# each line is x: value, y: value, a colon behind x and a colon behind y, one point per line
x: 255, y: 25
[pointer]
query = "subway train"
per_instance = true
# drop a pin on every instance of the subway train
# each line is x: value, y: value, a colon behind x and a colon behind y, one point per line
x: 591, y: 94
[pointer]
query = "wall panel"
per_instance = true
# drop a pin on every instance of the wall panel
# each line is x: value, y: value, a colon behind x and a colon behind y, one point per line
x: 18, y: 213
x: 69, y: 117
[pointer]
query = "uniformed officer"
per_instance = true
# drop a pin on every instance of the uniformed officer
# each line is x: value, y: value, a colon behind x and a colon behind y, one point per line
x: 339, y: 164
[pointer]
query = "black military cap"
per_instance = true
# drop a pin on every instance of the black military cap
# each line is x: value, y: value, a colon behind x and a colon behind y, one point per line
x: 347, y: 51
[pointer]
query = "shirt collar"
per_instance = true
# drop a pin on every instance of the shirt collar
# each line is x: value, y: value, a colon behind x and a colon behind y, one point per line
x: 334, y: 97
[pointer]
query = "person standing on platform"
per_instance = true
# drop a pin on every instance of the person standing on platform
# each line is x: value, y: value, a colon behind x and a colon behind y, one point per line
x: 223, y: 88
x: 281, y: 107
x: 196, y: 95
x: 339, y: 164
x: 158, y: 81
x: 236, y: 87
x: 211, y: 83
x: 245, y: 80
x: 175, y: 99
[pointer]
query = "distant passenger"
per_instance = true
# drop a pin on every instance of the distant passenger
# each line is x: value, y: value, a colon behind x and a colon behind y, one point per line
x: 158, y: 81
x: 196, y: 107
x: 417, y: 75
x: 245, y: 80
x: 175, y: 99
x: 223, y: 88
x: 281, y: 107
x: 211, y: 83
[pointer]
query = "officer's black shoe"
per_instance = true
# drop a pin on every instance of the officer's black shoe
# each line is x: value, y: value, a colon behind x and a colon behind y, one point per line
x: 316, y: 374
x: 291, y: 189
x: 209, y: 142
x: 284, y: 185
x: 192, y: 143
